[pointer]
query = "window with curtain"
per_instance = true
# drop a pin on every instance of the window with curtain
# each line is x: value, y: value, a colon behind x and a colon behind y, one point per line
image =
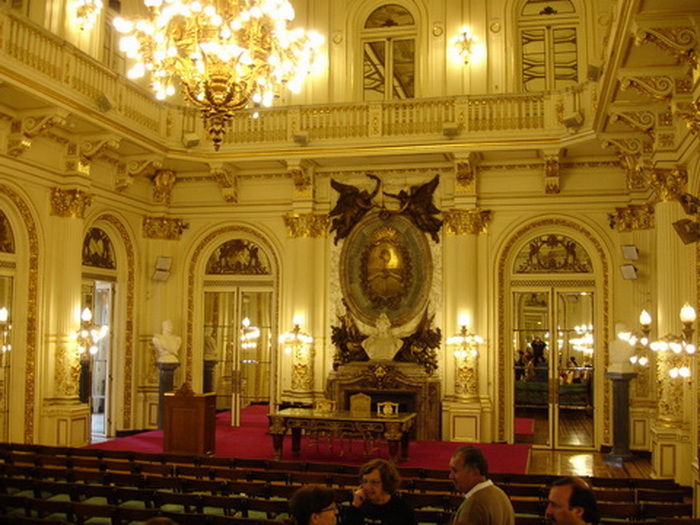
x: 389, y: 54
x: 548, y: 33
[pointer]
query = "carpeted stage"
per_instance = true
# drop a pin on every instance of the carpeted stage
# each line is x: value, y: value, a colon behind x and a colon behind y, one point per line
x: 251, y: 440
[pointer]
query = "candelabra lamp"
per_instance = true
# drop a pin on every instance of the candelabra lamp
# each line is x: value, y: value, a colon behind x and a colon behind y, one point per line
x: 88, y: 337
x: 679, y: 347
x: 465, y: 350
x: 297, y: 344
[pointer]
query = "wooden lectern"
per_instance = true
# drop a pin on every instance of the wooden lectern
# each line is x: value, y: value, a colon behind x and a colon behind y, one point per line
x: 188, y: 422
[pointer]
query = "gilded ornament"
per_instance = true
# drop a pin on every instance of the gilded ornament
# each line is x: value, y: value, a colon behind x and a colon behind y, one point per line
x: 463, y: 222
x: 466, y: 174
x: 67, y: 371
x: 98, y: 251
x: 166, y: 228
x: 70, y: 203
x: 690, y: 113
x: 634, y: 217
x: 551, y: 174
x: 669, y: 184
x: 24, y: 131
x: 306, y: 225
x: 7, y: 237
x: 642, y: 121
x: 163, y: 183
x: 91, y: 151
x: 678, y: 42
x: 238, y: 257
x: 302, y: 179
x: 553, y: 254
x: 227, y: 180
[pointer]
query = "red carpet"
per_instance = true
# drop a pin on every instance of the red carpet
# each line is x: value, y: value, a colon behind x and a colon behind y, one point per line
x: 524, y: 425
x: 250, y: 440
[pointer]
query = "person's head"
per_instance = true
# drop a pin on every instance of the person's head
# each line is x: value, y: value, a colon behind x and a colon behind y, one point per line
x: 313, y: 505
x: 571, y: 502
x: 167, y: 327
x: 468, y: 468
x: 380, y: 480
x: 160, y: 521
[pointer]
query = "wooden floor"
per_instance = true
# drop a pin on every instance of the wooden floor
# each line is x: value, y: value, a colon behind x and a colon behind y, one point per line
x: 567, y: 462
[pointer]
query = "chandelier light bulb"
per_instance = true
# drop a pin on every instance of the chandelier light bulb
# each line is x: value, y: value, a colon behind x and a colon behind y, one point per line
x: 690, y: 348
x: 3, y: 315
x: 86, y: 315
x: 673, y: 373
x: 684, y: 371
x: 643, y: 361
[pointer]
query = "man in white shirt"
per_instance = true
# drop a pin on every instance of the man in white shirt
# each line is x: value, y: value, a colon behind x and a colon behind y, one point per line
x: 484, y: 503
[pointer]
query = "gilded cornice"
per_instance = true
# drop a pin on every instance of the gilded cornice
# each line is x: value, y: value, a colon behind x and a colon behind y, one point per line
x: 656, y: 87
x: 634, y: 217
x: 669, y: 184
x: 32, y: 309
x: 70, y: 203
x: 306, y: 225
x: 167, y: 228
x: 678, y: 42
x: 463, y: 222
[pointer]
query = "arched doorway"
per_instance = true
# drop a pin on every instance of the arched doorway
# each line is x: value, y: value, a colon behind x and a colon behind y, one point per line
x: 555, y: 294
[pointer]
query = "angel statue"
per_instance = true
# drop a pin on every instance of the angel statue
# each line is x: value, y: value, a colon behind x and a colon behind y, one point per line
x: 351, y: 206
x: 418, y: 205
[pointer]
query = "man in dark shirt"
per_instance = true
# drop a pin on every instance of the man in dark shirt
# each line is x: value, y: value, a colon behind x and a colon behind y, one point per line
x: 376, y: 501
x: 571, y: 502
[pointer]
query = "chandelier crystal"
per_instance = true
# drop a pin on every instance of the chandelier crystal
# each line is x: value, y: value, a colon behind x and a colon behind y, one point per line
x: 227, y: 54
x: 86, y: 13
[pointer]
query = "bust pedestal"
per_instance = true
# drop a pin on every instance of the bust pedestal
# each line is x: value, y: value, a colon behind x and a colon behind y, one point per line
x: 208, y: 382
x: 165, y: 384
x: 621, y: 415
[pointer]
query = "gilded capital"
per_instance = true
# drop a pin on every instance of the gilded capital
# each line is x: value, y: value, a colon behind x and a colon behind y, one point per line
x: 462, y: 222
x: 163, y: 183
x: 307, y: 225
x: 669, y: 184
x: 167, y: 228
x: 634, y: 217
x: 70, y: 203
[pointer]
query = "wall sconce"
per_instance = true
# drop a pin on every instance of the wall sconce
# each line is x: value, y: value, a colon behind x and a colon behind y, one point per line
x: 681, y: 345
x: 86, y: 12
x: 295, y: 341
x: 466, y: 344
x: 464, y: 44
x: 640, y: 341
x: 89, y: 334
x: 5, y: 328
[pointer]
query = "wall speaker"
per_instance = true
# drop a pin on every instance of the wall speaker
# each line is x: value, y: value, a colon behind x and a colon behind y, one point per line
x: 162, y: 271
x: 301, y: 138
x: 190, y: 140
x: 104, y: 103
x: 450, y: 130
x: 687, y: 230
x: 593, y: 72
x: 630, y: 252
x: 629, y: 271
x: 573, y: 120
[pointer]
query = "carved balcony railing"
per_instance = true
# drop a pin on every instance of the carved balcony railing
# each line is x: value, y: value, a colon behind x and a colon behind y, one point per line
x: 36, y: 60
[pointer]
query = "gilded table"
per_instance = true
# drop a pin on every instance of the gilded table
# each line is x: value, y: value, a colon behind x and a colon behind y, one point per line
x: 340, y: 424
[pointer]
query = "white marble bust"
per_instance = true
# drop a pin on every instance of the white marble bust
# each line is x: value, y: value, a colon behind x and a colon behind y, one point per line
x: 383, y: 344
x: 167, y: 344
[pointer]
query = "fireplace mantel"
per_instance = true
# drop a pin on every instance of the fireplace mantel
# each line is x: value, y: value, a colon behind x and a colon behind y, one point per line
x: 406, y: 383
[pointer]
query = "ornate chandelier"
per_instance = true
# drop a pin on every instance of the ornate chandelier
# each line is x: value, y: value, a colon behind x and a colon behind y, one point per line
x: 227, y: 54
x: 86, y: 13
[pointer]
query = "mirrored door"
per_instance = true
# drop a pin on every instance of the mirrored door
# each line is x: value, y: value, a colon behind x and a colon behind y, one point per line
x: 553, y: 373
x: 238, y: 348
x: 6, y: 283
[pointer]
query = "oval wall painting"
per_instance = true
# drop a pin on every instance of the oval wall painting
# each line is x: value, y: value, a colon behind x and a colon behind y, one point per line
x: 385, y: 266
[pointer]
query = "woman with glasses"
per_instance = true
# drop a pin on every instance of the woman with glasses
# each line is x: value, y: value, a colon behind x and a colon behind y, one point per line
x: 376, y: 501
x: 313, y: 505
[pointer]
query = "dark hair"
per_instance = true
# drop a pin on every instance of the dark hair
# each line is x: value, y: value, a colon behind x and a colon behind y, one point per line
x: 160, y: 521
x: 391, y: 480
x: 472, y: 457
x: 309, y: 500
x: 581, y: 496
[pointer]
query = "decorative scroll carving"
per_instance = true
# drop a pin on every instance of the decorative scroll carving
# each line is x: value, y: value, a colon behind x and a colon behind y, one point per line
x: 551, y: 174
x: 306, y: 225
x: 303, y: 369
x: 7, y: 237
x: 98, y: 251
x: 628, y: 146
x: 670, y: 392
x: 416, y: 204
x: 136, y: 168
x: 669, y: 184
x: 227, y: 181
x: 302, y: 177
x: 466, y: 377
x: 678, y: 42
x: 642, y: 121
x: 67, y: 372
x: 657, y: 88
x: 463, y: 222
x: 24, y: 131
x: 70, y: 203
x: 238, y: 256
x: 634, y: 217
x: 167, y: 228
x: 163, y: 183
x: 636, y: 181
x: 690, y: 113
x: 553, y: 254
x: 91, y: 150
